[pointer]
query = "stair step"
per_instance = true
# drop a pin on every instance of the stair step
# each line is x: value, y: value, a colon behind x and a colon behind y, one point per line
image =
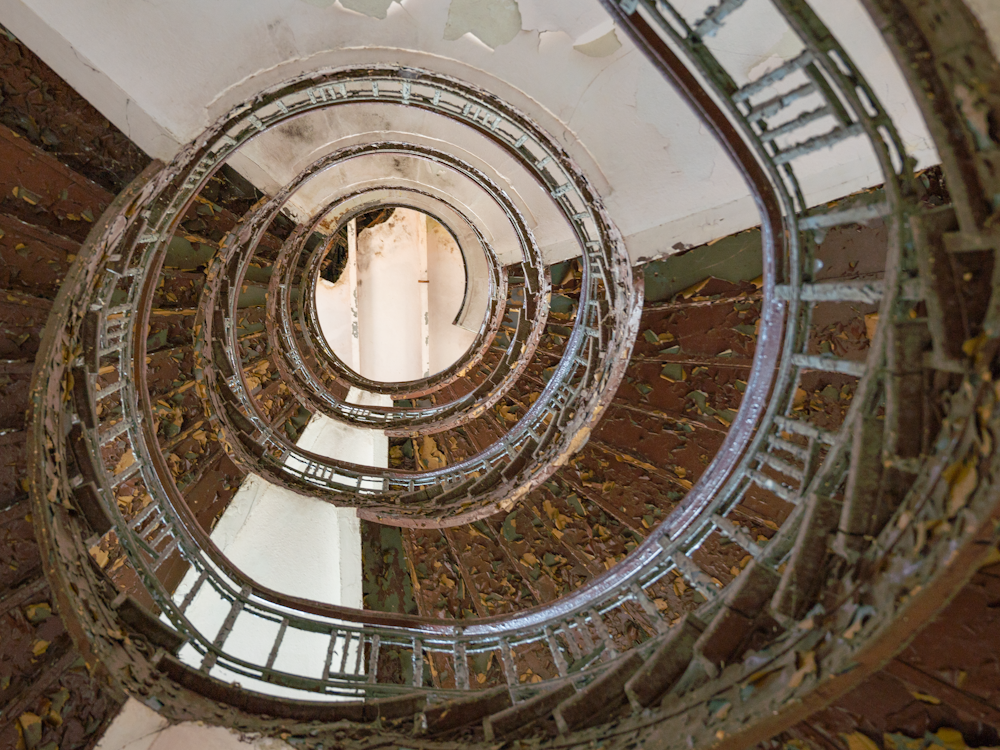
x: 24, y: 594
x: 804, y: 572
x: 666, y: 665
x: 743, y: 603
x: 442, y: 717
x: 143, y: 622
x: 34, y: 259
x: 39, y: 189
x: 861, y: 498
x: 522, y: 715
x: 594, y: 703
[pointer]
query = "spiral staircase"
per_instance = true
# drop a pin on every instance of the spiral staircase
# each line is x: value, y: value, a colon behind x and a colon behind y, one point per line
x: 725, y: 518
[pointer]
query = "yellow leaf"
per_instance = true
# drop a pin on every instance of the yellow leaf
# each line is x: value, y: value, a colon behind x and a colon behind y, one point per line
x: 528, y: 559
x: 858, y: 741
x: 39, y: 647
x: 871, y: 323
x: 962, y: 478
x: 924, y: 697
x: 951, y: 738
x: 125, y: 461
x: 992, y: 558
x: 549, y: 509
x: 99, y: 555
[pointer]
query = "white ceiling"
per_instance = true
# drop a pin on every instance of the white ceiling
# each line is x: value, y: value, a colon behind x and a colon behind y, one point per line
x: 163, y: 70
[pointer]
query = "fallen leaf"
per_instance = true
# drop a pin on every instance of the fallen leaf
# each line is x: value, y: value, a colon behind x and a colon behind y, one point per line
x: 871, y: 323
x: 962, y: 478
x: 925, y: 698
x: 858, y: 741
x: 38, y: 612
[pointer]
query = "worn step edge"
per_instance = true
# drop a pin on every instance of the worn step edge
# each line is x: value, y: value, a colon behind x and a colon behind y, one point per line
x: 460, y: 712
x: 591, y: 705
x: 666, y: 665
x: 524, y: 714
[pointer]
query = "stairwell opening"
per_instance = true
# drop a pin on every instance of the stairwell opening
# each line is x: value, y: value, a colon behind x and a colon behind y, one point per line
x: 393, y: 293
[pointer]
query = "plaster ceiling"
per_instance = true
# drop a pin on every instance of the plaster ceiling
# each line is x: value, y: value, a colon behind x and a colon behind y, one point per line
x: 162, y: 71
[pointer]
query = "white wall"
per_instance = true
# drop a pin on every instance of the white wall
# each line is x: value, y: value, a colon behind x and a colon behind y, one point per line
x: 446, y: 287
x: 406, y: 310
x: 296, y: 545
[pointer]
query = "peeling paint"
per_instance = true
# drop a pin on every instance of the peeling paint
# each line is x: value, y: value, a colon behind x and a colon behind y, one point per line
x: 493, y: 22
x: 374, y: 8
x: 602, y: 46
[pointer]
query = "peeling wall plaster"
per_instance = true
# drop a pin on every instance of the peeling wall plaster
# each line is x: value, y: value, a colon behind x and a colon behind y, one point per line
x: 494, y: 22
x: 604, y: 45
x: 373, y: 8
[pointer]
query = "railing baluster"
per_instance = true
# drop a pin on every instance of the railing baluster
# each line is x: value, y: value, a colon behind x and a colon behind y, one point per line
x: 343, y: 657
x: 782, y: 466
x: 227, y: 627
x: 800, y: 427
x: 773, y: 77
x: 373, y: 659
x: 557, y: 655
x: 418, y: 663
x: 359, y: 657
x: 694, y: 575
x: 277, y: 644
x: 603, y: 633
x: 189, y: 597
x: 584, y: 631
x: 330, y: 647
x: 570, y: 638
x: 649, y: 608
x: 461, y: 666
x: 737, y: 534
x: 507, y: 659
x: 765, y: 482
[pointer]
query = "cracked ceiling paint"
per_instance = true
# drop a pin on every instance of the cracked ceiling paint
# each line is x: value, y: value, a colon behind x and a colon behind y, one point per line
x: 374, y: 8
x: 602, y: 46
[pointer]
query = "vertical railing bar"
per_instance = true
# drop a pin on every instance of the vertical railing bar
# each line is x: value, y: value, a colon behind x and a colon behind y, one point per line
x: 509, y: 668
x: 461, y: 666
x: 418, y: 663
x: 557, y: 655
x: 373, y: 659
x: 277, y: 643
x: 334, y: 634
x: 361, y: 653
x: 348, y: 635
x: 189, y: 597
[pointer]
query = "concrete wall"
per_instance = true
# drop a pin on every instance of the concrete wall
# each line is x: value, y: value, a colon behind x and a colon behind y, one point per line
x: 410, y: 286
